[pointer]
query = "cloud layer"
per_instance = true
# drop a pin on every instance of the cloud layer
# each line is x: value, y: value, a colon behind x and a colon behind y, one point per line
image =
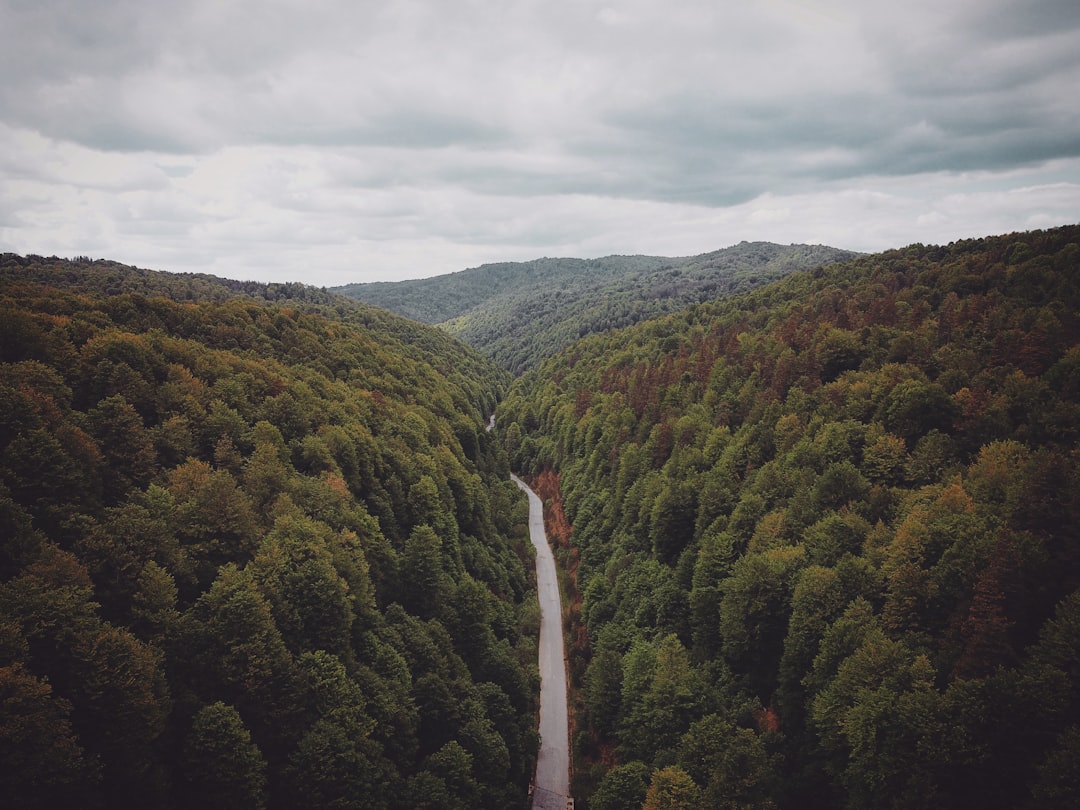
x: 331, y: 141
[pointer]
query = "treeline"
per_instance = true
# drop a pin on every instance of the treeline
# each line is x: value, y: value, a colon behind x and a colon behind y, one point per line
x: 252, y: 554
x: 467, y: 369
x: 113, y: 278
x: 519, y: 313
x: 828, y: 536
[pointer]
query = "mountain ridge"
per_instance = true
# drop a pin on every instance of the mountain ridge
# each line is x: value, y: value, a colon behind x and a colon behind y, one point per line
x: 517, y: 313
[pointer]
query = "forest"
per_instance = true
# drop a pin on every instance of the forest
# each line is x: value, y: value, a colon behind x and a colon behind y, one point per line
x: 256, y: 551
x: 518, y: 313
x: 824, y: 536
x: 820, y: 538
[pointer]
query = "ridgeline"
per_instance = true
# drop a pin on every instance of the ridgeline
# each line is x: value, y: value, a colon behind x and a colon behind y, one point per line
x: 518, y: 313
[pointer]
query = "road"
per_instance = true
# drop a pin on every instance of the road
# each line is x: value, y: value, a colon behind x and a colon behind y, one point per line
x: 552, y: 782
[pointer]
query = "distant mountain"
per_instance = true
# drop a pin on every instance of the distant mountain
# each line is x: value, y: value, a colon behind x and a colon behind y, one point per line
x: 518, y: 313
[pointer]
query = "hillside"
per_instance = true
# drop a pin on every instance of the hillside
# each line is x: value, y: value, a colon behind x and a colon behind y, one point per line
x: 826, y: 535
x: 520, y: 313
x: 256, y: 550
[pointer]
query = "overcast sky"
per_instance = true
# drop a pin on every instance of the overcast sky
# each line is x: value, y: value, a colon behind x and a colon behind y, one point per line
x: 331, y: 141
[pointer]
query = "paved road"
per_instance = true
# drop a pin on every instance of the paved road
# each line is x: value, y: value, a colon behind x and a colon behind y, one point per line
x: 552, y: 782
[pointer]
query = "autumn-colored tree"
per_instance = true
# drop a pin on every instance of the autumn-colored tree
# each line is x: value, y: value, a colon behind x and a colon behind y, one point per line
x: 44, y: 764
x: 672, y: 789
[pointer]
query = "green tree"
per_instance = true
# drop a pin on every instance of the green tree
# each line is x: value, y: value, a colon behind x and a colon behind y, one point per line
x: 265, y: 475
x: 875, y: 718
x: 914, y: 408
x: 1059, y: 774
x: 215, y: 518
x: 453, y: 765
x: 294, y: 569
x: 222, y: 767
x: 754, y: 613
x: 729, y: 763
x: 603, y: 684
x: 332, y: 768
x: 711, y: 568
x: 639, y: 667
x: 672, y: 522
x: 818, y: 600
x: 840, y: 484
x: 337, y: 763
x: 230, y: 650
x: 117, y: 550
x: 672, y: 701
x: 121, y: 701
x: 624, y: 786
x: 834, y: 536
x: 424, y: 585
x: 672, y: 789
x: 125, y: 444
x: 48, y: 479
x: 154, y: 614
x: 114, y: 683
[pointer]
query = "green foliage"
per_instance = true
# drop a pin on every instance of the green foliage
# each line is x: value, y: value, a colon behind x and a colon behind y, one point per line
x: 730, y: 764
x: 623, y: 786
x: 839, y: 512
x: 255, y: 546
x: 754, y: 610
x: 672, y: 788
x: 222, y: 766
x: 520, y: 313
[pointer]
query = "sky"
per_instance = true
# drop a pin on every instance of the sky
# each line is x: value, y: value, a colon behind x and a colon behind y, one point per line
x: 339, y: 141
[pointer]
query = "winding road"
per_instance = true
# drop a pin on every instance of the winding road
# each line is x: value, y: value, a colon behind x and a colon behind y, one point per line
x: 552, y: 783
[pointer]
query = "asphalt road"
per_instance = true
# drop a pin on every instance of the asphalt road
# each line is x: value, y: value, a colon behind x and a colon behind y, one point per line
x: 552, y: 782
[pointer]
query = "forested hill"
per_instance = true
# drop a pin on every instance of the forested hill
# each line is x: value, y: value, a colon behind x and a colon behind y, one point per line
x: 105, y: 278
x: 256, y: 550
x: 520, y: 313
x: 828, y: 535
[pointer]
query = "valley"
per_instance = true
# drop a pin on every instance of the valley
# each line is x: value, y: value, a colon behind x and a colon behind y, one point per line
x: 519, y: 313
x: 265, y: 546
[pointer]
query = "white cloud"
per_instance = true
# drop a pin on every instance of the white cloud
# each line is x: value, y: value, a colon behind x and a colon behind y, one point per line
x: 335, y: 141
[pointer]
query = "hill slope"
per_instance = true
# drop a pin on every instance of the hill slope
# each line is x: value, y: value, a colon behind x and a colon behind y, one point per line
x: 519, y: 313
x: 253, y: 552
x: 828, y: 534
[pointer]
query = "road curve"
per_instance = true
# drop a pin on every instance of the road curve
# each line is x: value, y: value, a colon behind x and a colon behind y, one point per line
x: 552, y: 782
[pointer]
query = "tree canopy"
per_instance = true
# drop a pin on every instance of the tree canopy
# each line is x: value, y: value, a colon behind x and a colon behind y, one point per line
x: 245, y: 528
x: 827, y: 534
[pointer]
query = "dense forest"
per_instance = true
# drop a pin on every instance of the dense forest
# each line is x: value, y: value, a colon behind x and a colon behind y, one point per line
x: 256, y: 550
x: 826, y: 536
x: 518, y: 313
